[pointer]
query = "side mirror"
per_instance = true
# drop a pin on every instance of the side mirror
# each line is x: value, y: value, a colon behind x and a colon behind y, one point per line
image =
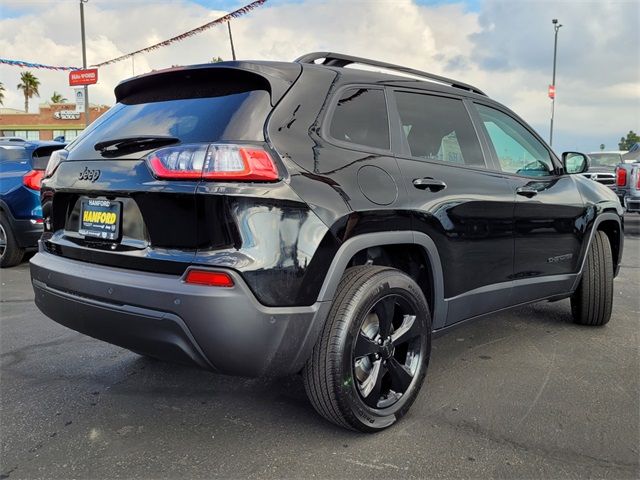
x: 575, y: 162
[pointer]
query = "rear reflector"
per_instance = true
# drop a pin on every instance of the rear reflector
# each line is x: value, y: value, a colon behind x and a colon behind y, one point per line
x: 225, y: 162
x: 621, y: 177
x: 33, y: 179
x: 211, y: 279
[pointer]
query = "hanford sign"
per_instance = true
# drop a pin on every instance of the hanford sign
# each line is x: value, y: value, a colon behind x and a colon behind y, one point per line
x: 66, y: 115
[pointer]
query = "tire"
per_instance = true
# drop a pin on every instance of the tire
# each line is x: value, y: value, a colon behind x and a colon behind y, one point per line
x: 10, y: 253
x: 351, y: 378
x: 592, y: 301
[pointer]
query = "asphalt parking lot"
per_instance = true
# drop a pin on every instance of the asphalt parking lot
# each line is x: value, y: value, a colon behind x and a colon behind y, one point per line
x: 522, y: 394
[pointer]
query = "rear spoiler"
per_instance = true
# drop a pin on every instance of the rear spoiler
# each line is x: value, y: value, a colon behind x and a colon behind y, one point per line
x: 275, y: 77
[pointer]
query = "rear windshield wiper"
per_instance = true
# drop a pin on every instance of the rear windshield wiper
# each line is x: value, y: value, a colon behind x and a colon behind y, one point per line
x: 133, y: 143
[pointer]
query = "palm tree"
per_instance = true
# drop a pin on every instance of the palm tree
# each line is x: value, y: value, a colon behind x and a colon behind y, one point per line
x: 29, y: 85
x: 57, y: 98
x: 1, y: 93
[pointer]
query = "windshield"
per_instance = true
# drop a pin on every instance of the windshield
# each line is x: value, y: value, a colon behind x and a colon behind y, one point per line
x: 605, y: 159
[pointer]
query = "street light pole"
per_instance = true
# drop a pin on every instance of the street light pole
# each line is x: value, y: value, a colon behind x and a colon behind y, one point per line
x: 233, y: 51
x: 84, y: 64
x: 556, y: 27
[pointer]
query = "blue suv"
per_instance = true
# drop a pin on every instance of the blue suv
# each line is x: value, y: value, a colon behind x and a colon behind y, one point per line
x: 22, y: 166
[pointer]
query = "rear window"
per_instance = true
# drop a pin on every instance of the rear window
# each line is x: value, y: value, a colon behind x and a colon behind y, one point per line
x: 361, y: 117
x: 40, y: 156
x: 605, y: 159
x: 220, y: 112
x: 12, y: 154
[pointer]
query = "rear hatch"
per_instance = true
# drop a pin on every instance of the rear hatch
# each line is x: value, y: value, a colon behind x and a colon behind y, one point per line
x: 124, y: 192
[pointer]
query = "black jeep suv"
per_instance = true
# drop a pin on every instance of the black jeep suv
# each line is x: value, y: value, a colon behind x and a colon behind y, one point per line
x: 265, y: 218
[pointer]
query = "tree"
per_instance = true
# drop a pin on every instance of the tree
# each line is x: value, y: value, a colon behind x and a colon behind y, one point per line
x: 29, y: 85
x: 1, y: 93
x: 627, y: 143
x: 602, y: 147
x: 58, y: 98
x: 216, y: 60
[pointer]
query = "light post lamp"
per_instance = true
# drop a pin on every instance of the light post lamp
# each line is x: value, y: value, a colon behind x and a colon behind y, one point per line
x: 552, y: 87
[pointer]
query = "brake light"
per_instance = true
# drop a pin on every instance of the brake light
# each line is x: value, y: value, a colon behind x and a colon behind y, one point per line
x: 209, y: 278
x: 33, y: 179
x: 638, y: 182
x: 213, y: 162
x: 621, y: 177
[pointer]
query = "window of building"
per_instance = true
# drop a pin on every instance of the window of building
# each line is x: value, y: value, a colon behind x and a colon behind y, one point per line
x: 517, y: 149
x: 361, y: 117
x: 438, y: 128
x: 70, y: 135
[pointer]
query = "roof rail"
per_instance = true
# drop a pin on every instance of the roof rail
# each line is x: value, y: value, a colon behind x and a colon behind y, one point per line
x: 340, y: 60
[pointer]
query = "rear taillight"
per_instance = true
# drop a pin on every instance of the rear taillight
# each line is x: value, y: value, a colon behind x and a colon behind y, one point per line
x: 621, y: 177
x: 33, y: 179
x: 213, y: 162
x: 638, y: 181
x: 209, y: 278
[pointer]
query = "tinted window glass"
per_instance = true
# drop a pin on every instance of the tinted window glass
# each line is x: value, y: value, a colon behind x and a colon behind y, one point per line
x: 605, y: 159
x: 361, y: 117
x: 517, y: 149
x: 230, y: 116
x: 13, y: 154
x: 438, y: 128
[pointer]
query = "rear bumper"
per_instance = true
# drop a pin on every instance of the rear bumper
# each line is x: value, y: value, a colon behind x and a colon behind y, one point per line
x: 222, y: 329
x: 27, y: 232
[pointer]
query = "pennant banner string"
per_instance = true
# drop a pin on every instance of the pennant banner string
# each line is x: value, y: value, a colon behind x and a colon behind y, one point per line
x: 23, y: 64
x: 235, y: 14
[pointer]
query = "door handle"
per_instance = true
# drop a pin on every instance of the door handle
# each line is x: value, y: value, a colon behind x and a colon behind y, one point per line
x: 430, y: 184
x: 527, y: 192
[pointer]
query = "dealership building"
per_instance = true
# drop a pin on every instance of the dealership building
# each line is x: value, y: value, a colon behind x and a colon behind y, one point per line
x: 51, y: 121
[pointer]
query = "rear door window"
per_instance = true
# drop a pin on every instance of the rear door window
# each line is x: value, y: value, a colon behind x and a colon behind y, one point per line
x: 438, y: 128
x: 360, y: 117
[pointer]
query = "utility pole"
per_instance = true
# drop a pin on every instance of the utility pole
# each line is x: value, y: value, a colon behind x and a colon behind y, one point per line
x: 552, y: 87
x: 84, y: 64
x: 233, y: 51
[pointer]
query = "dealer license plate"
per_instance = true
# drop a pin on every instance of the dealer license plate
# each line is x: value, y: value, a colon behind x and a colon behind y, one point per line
x: 100, y: 218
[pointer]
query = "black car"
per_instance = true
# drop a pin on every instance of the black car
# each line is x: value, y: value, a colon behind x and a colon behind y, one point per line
x: 264, y: 218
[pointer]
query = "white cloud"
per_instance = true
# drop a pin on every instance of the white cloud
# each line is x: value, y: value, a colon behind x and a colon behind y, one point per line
x: 505, y: 49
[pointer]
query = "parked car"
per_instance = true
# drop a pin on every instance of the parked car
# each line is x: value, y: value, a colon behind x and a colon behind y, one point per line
x: 602, y: 167
x: 268, y: 218
x: 12, y: 139
x: 22, y: 166
x: 628, y: 185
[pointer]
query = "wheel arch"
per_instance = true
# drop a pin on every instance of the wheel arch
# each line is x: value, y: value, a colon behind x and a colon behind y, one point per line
x: 349, y: 251
x: 612, y: 225
x: 613, y: 229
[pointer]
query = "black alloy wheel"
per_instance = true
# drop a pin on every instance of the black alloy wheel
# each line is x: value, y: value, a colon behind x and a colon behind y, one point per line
x: 387, y: 352
x: 371, y: 358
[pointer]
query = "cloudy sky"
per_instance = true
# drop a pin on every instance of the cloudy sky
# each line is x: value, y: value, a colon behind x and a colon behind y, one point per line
x: 504, y: 47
